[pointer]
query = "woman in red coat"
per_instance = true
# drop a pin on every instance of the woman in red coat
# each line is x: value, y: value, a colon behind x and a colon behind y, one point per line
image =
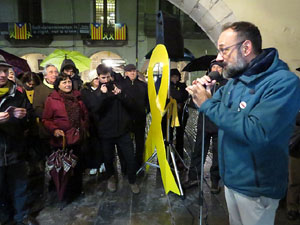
x: 64, y: 112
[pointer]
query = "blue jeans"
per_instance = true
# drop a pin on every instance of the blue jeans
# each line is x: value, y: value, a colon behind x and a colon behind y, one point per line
x: 13, y: 191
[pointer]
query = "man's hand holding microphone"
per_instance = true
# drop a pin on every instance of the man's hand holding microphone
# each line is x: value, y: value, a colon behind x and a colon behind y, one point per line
x: 200, y: 90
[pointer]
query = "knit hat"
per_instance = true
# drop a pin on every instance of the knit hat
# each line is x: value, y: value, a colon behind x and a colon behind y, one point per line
x: 174, y: 72
x: 214, y: 62
x: 92, y: 75
x: 3, y: 62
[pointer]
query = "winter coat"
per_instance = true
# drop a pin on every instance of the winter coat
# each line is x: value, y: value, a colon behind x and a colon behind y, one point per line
x: 12, y: 132
x: 113, y: 118
x: 89, y: 98
x: 255, y: 113
x: 137, y: 90
x: 55, y: 115
x: 41, y: 92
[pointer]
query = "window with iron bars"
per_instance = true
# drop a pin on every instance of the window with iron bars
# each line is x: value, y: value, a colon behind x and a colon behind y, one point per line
x: 105, y: 12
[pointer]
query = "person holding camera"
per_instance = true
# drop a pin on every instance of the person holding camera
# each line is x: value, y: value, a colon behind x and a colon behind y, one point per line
x: 113, y: 125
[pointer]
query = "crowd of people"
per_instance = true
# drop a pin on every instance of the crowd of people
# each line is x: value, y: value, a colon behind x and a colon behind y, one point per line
x: 108, y: 112
x: 249, y: 112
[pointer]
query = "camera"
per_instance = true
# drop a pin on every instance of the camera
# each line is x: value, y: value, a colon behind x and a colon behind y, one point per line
x: 110, y: 86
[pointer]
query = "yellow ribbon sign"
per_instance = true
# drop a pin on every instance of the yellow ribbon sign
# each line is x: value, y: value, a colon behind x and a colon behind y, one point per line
x: 157, y: 105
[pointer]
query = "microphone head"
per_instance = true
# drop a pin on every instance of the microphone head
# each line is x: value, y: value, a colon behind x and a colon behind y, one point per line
x: 215, y: 75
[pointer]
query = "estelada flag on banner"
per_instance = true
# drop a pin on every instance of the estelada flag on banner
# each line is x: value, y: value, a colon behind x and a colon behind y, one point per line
x: 120, y: 31
x: 21, y: 31
x: 96, y: 31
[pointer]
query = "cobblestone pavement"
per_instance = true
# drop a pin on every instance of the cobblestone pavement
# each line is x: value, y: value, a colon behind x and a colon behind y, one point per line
x: 151, y: 207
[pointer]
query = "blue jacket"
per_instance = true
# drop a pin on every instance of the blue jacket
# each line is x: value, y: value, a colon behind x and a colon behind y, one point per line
x: 255, y: 113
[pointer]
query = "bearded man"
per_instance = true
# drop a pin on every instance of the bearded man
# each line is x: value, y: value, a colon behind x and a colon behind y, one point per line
x: 255, y: 113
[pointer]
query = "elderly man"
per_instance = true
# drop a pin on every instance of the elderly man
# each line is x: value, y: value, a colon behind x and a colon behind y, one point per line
x: 255, y: 112
x: 137, y: 90
x: 14, y: 116
x: 42, y: 91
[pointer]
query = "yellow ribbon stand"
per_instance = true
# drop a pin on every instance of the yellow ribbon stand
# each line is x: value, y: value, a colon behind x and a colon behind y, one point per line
x: 157, y: 107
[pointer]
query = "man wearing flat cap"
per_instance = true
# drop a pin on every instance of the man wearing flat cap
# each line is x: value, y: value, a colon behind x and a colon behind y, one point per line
x: 15, y: 112
x: 137, y: 90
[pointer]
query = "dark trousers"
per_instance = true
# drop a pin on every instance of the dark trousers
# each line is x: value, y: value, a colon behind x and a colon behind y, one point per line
x: 139, y: 138
x: 195, y: 167
x: 125, y: 146
x: 293, y: 194
x: 13, y: 191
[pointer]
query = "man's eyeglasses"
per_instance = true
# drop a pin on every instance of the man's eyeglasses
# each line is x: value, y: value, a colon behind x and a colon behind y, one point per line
x: 225, y: 51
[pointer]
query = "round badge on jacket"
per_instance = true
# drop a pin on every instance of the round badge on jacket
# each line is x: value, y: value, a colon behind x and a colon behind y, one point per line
x: 243, y: 105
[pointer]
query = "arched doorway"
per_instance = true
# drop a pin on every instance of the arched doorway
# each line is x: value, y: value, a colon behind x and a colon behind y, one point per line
x: 109, y: 58
x: 34, y: 60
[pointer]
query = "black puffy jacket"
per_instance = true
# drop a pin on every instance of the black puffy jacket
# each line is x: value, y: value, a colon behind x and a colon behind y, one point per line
x: 12, y: 132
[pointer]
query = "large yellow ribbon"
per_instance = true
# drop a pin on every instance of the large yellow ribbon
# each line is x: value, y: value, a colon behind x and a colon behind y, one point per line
x: 157, y: 105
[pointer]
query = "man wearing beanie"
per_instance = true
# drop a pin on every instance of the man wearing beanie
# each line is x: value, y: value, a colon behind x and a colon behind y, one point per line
x: 211, y: 133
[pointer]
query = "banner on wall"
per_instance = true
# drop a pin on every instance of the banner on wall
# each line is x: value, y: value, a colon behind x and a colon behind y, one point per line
x: 96, y: 31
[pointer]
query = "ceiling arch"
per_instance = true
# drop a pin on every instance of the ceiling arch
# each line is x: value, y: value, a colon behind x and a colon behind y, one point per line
x: 210, y: 15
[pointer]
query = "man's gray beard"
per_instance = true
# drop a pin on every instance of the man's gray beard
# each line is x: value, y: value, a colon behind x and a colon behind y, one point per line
x: 236, y: 69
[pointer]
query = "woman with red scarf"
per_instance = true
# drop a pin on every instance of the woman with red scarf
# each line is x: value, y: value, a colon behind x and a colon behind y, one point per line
x: 65, y: 111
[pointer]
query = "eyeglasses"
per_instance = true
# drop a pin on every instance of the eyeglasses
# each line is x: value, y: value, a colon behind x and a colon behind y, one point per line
x: 225, y: 51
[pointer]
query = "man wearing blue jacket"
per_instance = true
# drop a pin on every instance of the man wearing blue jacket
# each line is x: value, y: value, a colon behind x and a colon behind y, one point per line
x: 255, y: 112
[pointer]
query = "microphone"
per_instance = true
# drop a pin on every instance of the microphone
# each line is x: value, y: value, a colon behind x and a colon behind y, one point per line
x: 215, y: 75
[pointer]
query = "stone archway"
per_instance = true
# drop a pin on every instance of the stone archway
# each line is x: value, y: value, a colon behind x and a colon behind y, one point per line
x: 97, y: 59
x: 34, y: 60
x: 210, y: 15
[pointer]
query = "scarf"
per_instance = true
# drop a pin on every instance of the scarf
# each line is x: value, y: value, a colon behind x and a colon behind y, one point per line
x: 4, y: 90
x: 72, y: 108
x: 47, y: 84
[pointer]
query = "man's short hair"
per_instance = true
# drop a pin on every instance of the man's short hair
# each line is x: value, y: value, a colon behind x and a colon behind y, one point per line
x: 46, y: 67
x: 247, y: 31
x: 102, y: 69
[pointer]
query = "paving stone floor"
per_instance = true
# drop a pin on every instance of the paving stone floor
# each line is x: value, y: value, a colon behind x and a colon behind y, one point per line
x: 151, y: 207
